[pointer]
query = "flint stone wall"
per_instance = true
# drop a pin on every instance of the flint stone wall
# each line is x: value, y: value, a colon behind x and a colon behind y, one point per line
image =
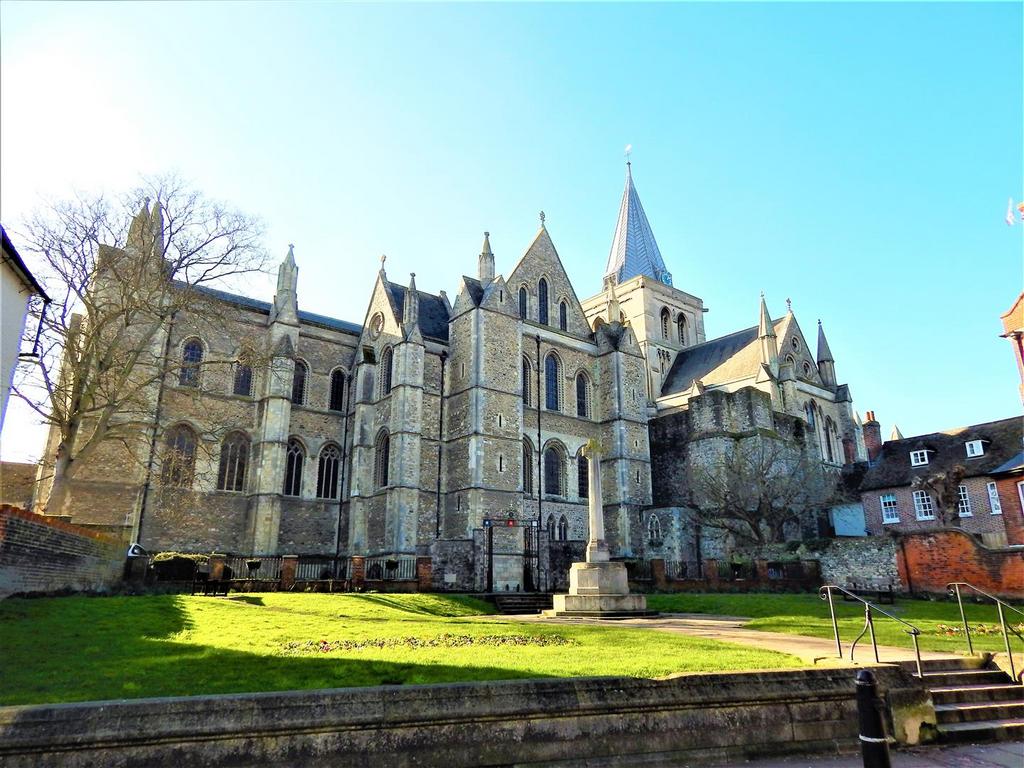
x: 583, y: 721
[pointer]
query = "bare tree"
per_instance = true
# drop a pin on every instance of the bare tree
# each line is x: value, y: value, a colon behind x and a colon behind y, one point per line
x: 944, y: 487
x: 758, y: 488
x: 120, y: 273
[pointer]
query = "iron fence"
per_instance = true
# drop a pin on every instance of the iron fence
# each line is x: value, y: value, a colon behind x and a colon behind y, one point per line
x: 321, y: 568
x: 254, y: 568
x: 391, y: 568
x: 682, y: 569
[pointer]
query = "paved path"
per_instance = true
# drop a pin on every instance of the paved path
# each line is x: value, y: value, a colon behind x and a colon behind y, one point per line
x: 730, y: 629
x: 1006, y: 755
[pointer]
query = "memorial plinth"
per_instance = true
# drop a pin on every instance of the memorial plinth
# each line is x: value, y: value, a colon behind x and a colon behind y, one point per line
x: 598, y: 587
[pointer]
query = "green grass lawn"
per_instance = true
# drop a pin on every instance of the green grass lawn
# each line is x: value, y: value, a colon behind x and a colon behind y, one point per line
x: 808, y: 615
x: 90, y: 648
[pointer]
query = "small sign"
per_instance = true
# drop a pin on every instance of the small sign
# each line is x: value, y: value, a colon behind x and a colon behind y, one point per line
x: 136, y: 550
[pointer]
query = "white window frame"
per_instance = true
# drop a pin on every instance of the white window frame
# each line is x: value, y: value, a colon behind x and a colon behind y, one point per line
x: 974, y: 449
x: 993, y: 498
x: 890, y: 508
x: 963, y: 502
x: 924, y: 506
x: 918, y: 458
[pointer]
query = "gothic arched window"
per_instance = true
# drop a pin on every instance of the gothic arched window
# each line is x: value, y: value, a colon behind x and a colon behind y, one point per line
x: 179, y: 463
x: 527, y: 467
x: 829, y: 432
x: 327, y: 474
x: 234, y: 454
x: 563, y: 529
x: 294, y: 459
x: 381, y: 459
x: 552, y: 530
x: 243, y: 380
x: 191, y: 359
x: 681, y: 328
x: 563, y: 316
x: 583, y: 476
x: 554, y: 472
x: 582, y: 395
x: 387, y: 363
x: 299, y: 382
x: 527, y: 371
x: 552, y: 377
x: 809, y: 410
x: 522, y: 303
x: 337, y: 396
x: 654, y: 530
x: 542, y: 301
x: 665, y: 319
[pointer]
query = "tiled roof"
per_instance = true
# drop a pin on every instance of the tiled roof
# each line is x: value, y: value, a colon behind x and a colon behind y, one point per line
x: 727, y: 358
x: 264, y: 307
x: 475, y: 288
x: 433, y: 319
x: 1001, y: 441
x: 634, y: 250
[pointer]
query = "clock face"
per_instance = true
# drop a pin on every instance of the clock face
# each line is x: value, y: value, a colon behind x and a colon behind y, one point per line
x: 666, y: 278
x: 376, y: 325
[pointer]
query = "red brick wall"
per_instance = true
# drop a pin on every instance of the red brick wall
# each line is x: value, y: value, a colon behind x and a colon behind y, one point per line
x: 981, y: 520
x: 932, y: 560
x: 1013, y: 513
x: 40, y: 554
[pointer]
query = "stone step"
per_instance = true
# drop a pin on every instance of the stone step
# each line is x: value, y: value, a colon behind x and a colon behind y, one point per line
x: 983, y: 730
x: 979, y: 712
x: 951, y: 664
x: 967, y: 694
x: 965, y: 677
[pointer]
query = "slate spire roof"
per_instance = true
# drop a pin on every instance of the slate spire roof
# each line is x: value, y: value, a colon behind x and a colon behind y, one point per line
x: 634, y: 249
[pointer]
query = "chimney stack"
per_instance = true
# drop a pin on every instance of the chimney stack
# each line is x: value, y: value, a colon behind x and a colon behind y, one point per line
x: 872, y: 436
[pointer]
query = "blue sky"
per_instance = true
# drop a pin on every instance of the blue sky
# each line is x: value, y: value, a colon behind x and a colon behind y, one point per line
x: 856, y: 158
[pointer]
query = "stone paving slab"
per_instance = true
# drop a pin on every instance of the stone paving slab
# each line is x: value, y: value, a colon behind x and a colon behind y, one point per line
x: 1004, y: 755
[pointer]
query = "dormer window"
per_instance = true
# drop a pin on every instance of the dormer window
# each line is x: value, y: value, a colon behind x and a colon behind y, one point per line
x: 918, y: 458
x: 974, y: 449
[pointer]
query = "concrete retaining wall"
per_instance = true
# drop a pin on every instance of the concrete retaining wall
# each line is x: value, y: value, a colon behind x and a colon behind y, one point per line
x: 571, y: 722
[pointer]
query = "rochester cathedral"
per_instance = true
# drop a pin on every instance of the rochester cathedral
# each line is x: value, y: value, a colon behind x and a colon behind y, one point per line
x: 452, y: 427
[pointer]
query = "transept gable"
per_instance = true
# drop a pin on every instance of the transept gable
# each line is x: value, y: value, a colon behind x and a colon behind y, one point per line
x: 383, y: 319
x: 541, y: 260
x: 798, y: 355
x: 496, y: 297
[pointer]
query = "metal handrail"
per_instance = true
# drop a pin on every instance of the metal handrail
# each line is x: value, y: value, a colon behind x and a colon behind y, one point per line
x: 954, y: 588
x: 825, y: 593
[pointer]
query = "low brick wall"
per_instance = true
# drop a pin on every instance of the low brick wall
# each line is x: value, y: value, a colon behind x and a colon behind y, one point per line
x: 929, y: 561
x: 593, y: 721
x: 42, y: 554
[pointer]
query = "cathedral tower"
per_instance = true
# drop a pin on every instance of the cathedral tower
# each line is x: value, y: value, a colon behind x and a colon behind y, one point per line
x: 663, y: 318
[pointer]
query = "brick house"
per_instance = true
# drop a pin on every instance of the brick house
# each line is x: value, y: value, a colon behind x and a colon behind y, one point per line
x: 989, y: 503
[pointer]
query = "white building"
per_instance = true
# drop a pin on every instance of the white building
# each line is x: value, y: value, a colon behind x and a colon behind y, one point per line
x: 17, y: 287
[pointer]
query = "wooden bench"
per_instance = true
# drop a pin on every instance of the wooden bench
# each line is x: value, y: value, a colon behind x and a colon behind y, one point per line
x: 875, y: 593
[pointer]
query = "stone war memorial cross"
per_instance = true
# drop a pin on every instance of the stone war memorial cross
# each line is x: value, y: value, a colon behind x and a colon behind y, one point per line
x: 598, y: 587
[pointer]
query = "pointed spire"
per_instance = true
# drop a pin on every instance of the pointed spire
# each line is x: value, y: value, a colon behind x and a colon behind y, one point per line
x: 156, y: 227
x: 286, y: 300
x: 765, y: 326
x: 856, y: 419
x: 896, y: 434
x: 767, y: 339
x: 411, y: 310
x: 824, y: 353
x: 485, y: 265
x: 634, y: 250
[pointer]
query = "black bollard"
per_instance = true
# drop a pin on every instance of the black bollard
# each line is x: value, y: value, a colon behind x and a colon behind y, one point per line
x: 874, y: 747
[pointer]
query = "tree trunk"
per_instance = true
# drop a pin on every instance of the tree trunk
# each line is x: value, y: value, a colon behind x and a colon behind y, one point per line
x: 57, y: 502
